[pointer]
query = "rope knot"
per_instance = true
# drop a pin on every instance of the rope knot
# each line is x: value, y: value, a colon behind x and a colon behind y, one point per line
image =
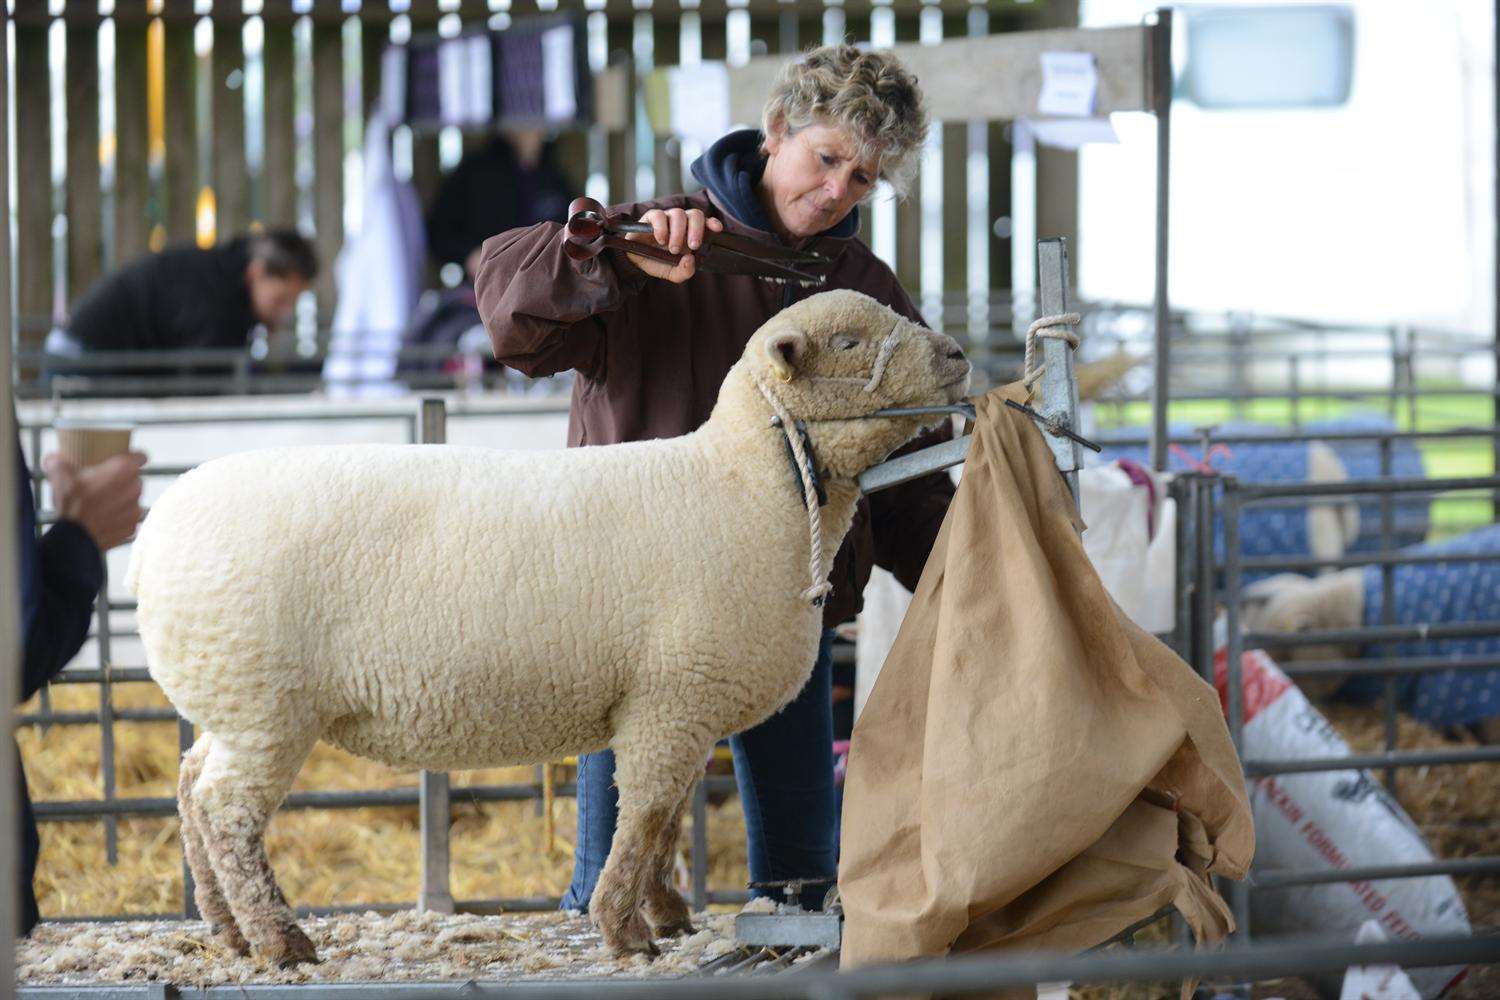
x: 1055, y: 327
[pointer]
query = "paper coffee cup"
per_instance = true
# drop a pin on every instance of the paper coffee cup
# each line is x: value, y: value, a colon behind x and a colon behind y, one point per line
x: 86, y: 443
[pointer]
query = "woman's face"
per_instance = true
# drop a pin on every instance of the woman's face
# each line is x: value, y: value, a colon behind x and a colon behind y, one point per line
x: 813, y: 180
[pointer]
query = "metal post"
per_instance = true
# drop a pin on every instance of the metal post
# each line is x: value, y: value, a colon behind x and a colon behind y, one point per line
x: 1388, y: 606
x: 1203, y: 632
x: 10, y: 609
x: 434, y: 803
x: 107, y: 719
x: 1059, y: 394
x: 1183, y: 494
x: 1239, y: 897
x: 189, y: 900
x: 1161, y: 101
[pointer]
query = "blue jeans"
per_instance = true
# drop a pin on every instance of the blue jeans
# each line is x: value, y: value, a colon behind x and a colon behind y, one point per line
x: 784, y: 768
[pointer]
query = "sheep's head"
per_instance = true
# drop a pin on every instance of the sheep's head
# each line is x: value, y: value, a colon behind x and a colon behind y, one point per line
x: 1289, y: 604
x: 840, y: 355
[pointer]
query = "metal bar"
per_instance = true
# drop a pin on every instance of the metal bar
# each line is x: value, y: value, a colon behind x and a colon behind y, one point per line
x: 106, y: 720
x: 1371, y: 761
x: 1388, y: 610
x: 914, y: 465
x: 1394, y: 557
x: 1058, y: 399
x: 1238, y: 896
x: 1261, y: 491
x: 45, y: 719
x: 1291, y: 878
x: 436, y: 811
x: 1394, y: 665
x: 1373, y: 633
x: 10, y: 568
x: 957, y: 975
x: 1161, y: 105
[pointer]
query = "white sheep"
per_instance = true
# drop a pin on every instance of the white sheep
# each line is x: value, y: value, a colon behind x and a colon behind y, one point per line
x: 448, y: 608
x: 1458, y: 589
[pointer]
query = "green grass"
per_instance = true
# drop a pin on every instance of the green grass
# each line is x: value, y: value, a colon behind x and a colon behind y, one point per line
x: 1434, y: 410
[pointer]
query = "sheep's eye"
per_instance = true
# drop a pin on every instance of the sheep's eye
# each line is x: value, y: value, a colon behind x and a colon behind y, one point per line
x: 845, y: 343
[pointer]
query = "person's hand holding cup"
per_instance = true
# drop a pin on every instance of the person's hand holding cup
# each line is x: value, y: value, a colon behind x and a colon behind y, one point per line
x: 96, y: 480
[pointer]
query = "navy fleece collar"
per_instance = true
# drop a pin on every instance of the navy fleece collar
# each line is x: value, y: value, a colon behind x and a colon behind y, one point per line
x: 731, y: 170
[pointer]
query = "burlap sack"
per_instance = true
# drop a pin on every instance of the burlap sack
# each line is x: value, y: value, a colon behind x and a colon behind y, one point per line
x: 1032, y: 770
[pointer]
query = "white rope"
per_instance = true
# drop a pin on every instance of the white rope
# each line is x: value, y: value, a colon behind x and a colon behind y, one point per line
x: 820, y: 586
x: 1056, y: 327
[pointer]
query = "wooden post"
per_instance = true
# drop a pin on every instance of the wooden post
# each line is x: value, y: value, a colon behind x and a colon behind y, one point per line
x: 425, y: 170
x: 227, y: 96
x: 132, y: 150
x: 328, y: 147
x: 280, y: 163
x: 181, y: 128
x: 85, y: 208
x: 34, y: 207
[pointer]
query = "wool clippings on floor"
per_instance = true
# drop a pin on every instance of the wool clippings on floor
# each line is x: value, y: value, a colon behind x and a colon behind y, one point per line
x: 361, y: 947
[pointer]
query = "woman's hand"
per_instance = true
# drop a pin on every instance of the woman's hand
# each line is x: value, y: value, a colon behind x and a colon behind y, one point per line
x: 678, y: 230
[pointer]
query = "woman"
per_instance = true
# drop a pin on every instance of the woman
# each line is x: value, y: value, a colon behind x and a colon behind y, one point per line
x: 652, y: 342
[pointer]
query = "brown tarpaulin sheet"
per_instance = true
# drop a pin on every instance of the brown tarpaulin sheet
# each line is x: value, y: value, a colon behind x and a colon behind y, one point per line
x: 1013, y: 777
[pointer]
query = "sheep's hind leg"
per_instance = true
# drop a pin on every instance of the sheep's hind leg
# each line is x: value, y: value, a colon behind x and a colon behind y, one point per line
x: 210, y: 898
x: 243, y: 782
x: 666, y: 910
x: 653, y: 776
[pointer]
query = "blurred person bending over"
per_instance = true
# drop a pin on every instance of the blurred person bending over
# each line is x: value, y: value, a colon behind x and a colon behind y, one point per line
x: 185, y: 297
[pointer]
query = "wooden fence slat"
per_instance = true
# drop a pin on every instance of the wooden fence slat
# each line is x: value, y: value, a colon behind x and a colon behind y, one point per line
x: 955, y: 206
x: 1001, y: 151
x: 33, y: 166
x: 85, y: 209
x: 328, y: 153
x: 426, y: 172
x: 280, y: 163
x: 231, y: 173
x: 132, y: 229
x: 181, y: 122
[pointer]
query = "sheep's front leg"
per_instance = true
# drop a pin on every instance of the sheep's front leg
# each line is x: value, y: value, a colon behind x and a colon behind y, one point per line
x: 654, y: 768
x: 244, y: 779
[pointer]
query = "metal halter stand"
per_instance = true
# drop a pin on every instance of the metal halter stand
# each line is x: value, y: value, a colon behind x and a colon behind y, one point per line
x: 1055, y: 411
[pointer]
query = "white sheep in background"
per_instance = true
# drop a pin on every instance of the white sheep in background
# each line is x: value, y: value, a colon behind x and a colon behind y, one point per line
x: 1459, y: 589
x: 450, y: 608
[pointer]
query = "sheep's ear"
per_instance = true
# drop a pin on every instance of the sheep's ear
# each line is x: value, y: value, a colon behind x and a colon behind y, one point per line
x: 785, y: 351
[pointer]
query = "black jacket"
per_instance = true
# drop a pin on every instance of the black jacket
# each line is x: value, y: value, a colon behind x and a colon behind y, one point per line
x: 180, y: 298
x: 489, y: 192
x: 61, y: 574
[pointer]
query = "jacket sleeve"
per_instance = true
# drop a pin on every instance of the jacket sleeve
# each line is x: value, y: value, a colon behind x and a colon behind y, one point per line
x: 905, y: 519
x: 60, y: 576
x: 545, y: 312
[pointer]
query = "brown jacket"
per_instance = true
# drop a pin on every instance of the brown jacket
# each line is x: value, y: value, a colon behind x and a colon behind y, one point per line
x: 651, y: 355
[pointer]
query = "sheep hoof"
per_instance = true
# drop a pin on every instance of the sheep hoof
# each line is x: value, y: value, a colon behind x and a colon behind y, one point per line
x: 632, y: 937
x: 228, y: 937
x: 292, y: 947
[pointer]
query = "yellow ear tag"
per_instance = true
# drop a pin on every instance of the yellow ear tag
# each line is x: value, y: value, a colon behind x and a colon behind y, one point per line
x: 784, y: 377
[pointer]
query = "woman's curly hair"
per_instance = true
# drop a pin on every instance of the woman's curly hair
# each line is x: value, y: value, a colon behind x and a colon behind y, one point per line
x: 869, y: 95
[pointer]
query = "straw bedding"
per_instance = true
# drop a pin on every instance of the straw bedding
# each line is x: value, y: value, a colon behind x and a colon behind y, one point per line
x: 330, y: 858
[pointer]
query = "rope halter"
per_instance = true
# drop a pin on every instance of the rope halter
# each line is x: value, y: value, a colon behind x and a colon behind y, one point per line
x: 819, y: 588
